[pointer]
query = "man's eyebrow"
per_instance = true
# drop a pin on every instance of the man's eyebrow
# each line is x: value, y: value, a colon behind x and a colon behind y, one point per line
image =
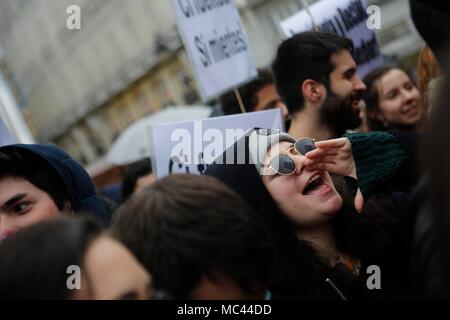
x: 13, y: 200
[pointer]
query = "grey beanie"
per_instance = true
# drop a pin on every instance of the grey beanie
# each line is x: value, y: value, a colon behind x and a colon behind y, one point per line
x: 260, y: 142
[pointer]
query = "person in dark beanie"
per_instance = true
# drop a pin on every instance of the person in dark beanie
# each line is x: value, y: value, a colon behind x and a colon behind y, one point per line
x: 41, y: 181
x: 323, y: 245
x: 198, y: 239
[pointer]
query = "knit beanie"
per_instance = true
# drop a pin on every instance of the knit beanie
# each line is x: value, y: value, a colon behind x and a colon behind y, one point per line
x: 261, y: 141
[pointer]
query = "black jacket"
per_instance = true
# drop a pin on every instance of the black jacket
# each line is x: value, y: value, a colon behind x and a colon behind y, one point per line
x: 408, y: 197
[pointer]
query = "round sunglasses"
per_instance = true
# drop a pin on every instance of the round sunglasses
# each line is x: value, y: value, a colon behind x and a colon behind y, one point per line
x: 283, y: 164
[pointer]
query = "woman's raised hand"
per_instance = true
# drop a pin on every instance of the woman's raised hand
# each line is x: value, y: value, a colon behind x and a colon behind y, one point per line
x: 334, y: 156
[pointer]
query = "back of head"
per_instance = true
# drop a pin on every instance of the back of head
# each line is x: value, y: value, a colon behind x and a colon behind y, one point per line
x: 34, y: 261
x: 184, y: 228
x: 248, y: 92
x: 305, y: 56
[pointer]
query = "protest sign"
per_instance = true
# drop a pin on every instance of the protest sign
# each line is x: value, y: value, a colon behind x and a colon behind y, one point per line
x: 188, y: 147
x: 347, y: 18
x: 217, y: 46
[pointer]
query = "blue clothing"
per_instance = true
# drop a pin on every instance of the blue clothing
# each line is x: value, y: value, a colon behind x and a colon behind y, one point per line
x: 78, y: 183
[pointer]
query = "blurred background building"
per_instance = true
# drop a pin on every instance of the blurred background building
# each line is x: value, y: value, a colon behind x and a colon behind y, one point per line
x: 81, y: 88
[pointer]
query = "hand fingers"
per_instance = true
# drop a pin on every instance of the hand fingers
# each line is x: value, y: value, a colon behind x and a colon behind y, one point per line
x: 326, y: 158
x: 314, y: 161
x: 327, y: 166
x: 333, y: 143
x: 310, y: 162
x: 320, y: 152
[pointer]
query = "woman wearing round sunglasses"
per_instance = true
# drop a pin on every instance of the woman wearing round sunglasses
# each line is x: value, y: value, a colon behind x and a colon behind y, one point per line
x: 324, y: 246
x: 292, y: 186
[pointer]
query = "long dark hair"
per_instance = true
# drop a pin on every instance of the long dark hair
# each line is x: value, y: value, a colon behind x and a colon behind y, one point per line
x: 34, y: 261
x: 372, y: 97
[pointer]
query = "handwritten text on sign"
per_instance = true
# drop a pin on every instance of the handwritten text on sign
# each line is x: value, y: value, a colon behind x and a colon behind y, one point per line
x: 216, y: 43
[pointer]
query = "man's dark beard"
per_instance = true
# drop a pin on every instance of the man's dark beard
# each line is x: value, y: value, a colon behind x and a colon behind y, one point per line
x: 338, y: 115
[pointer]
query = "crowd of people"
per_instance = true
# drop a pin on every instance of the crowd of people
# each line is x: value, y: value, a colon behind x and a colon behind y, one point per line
x: 350, y: 203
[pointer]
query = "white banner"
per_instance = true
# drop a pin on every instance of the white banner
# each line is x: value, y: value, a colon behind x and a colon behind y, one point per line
x: 188, y: 147
x: 347, y: 18
x: 217, y: 46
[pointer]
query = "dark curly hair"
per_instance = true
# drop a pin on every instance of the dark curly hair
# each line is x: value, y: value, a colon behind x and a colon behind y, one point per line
x: 184, y: 227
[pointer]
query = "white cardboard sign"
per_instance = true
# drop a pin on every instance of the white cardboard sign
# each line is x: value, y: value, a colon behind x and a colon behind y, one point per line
x: 347, y: 18
x: 216, y: 43
x: 205, y: 140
